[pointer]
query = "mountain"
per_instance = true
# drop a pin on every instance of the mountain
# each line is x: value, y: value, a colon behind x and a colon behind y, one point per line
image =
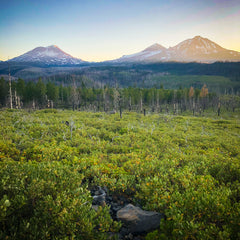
x: 51, y: 55
x: 202, y: 50
x: 197, y: 49
x: 155, y: 51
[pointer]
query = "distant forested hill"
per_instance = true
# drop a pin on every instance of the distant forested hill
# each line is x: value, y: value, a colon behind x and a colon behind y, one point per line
x: 220, y: 76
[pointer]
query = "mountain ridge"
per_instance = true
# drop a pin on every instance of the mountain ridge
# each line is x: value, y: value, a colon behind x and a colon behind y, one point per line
x: 196, y: 49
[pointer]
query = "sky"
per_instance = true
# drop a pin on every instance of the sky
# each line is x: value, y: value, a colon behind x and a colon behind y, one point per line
x: 98, y: 30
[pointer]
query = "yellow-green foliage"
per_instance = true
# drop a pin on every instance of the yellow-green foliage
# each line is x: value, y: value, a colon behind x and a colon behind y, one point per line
x: 186, y: 167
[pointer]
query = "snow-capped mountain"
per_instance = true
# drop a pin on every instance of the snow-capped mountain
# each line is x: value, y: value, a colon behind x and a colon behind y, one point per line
x: 154, y: 51
x: 197, y: 49
x: 202, y: 50
x: 51, y: 55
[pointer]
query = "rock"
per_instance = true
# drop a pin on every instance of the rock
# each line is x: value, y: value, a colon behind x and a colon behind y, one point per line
x: 99, y: 197
x: 116, y: 208
x: 129, y: 236
x: 137, y: 220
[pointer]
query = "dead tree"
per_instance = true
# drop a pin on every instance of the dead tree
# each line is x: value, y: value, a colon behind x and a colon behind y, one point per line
x: 219, y: 107
x: 10, y: 87
x: 74, y: 93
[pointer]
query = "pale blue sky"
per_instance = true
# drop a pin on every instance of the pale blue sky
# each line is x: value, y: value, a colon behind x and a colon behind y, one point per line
x: 97, y: 30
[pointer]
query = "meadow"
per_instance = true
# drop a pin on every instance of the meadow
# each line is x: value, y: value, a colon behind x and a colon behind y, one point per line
x: 186, y: 167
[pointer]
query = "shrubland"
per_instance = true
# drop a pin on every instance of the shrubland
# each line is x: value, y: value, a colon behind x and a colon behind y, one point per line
x: 186, y: 167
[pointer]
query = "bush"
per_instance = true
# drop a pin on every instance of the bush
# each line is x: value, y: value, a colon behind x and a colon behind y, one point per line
x: 48, y: 201
x: 185, y: 167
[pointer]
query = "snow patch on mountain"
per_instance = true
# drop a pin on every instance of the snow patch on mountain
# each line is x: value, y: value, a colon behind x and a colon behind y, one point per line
x: 51, y: 55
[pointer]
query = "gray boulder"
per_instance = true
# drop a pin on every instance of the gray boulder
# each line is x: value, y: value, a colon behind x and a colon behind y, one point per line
x: 137, y: 220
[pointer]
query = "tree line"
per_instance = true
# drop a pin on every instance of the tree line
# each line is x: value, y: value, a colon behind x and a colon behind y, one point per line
x: 39, y: 95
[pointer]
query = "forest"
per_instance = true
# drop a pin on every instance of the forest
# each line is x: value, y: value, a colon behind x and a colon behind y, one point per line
x: 220, y: 77
x: 39, y: 95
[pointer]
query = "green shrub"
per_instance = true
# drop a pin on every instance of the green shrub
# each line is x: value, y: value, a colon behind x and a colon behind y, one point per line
x: 48, y: 201
x: 185, y: 167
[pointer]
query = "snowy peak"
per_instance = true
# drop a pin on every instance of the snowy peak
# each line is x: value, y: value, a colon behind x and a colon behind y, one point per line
x: 197, y: 49
x: 55, y: 50
x: 51, y: 55
x: 197, y: 45
x: 154, y: 47
x: 149, y: 54
x: 52, y: 51
x: 201, y: 49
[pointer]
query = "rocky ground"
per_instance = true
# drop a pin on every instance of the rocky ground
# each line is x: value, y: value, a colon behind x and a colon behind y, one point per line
x: 136, y: 222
